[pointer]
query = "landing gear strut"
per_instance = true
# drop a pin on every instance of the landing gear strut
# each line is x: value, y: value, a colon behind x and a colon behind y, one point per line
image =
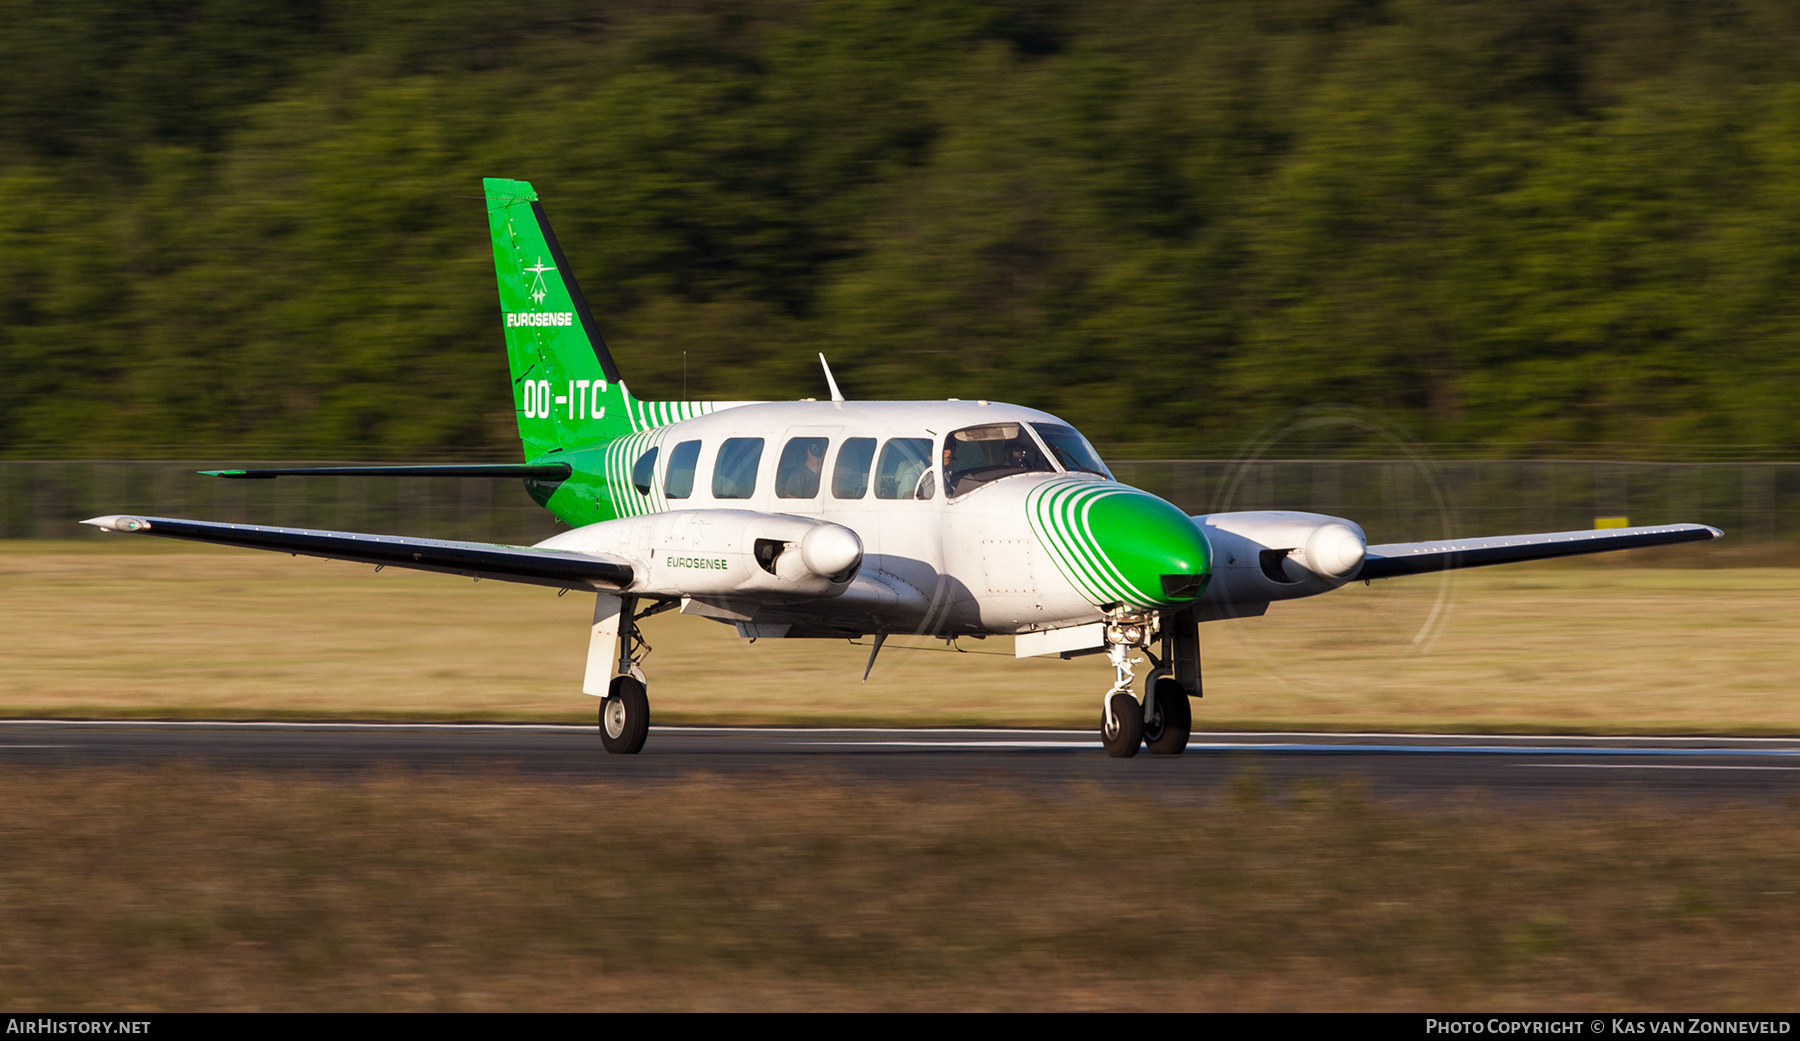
x: 619, y: 679
x: 1168, y: 694
x: 1164, y: 719
x: 1121, y: 717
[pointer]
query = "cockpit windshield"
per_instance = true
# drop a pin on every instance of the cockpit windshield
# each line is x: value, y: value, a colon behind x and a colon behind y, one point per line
x: 1072, y: 450
x: 974, y: 456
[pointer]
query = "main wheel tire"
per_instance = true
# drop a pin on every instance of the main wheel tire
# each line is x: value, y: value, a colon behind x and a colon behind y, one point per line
x: 624, y: 716
x: 1123, y: 739
x: 1174, y: 718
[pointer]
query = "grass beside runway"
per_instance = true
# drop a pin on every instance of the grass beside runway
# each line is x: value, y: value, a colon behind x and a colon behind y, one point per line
x: 138, y: 627
x: 188, y: 889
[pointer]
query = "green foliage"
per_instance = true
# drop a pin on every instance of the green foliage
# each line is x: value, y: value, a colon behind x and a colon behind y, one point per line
x: 256, y: 229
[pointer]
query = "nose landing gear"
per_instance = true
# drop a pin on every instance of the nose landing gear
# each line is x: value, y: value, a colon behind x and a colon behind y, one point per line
x: 1122, y: 719
x: 1122, y: 726
x: 1170, y: 718
x: 1164, y: 719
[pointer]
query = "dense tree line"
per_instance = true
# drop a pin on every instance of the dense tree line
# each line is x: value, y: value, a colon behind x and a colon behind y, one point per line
x: 244, y: 227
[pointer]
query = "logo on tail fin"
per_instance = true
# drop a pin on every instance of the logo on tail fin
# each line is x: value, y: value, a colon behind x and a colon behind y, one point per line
x: 538, y: 289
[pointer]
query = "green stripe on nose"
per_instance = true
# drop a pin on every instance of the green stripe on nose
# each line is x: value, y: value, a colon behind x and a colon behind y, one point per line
x: 1120, y: 545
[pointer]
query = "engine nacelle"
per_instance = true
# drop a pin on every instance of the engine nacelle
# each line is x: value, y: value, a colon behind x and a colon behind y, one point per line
x: 725, y: 554
x: 1264, y: 555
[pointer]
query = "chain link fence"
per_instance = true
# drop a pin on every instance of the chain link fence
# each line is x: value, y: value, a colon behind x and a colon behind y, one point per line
x: 1404, y: 500
x: 1394, y: 500
x: 45, y: 499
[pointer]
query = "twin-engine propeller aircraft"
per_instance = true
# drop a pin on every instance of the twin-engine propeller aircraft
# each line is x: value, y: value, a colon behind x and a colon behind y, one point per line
x: 847, y: 519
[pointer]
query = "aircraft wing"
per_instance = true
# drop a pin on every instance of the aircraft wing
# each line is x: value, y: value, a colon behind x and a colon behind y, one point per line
x: 1412, y: 558
x: 562, y: 569
x: 538, y: 471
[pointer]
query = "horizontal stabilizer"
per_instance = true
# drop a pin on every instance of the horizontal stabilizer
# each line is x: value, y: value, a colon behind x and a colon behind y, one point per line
x: 562, y: 569
x: 540, y: 471
x: 1413, y: 558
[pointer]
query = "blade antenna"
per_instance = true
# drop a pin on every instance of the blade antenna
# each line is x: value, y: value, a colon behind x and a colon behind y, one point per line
x: 880, y: 638
x: 836, y: 395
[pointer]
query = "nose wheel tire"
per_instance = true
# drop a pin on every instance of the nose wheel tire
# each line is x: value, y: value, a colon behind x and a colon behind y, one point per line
x: 1123, y: 733
x: 624, y: 716
x: 1168, y: 735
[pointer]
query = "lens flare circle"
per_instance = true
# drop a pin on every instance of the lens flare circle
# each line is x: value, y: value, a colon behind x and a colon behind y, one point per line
x: 1352, y: 639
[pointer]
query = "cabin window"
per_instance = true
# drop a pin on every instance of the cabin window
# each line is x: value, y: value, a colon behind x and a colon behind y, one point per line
x: 1071, y: 449
x: 974, y: 456
x: 642, y: 470
x: 802, y: 461
x: 850, y: 477
x: 679, y: 482
x: 734, y: 471
x: 903, y: 461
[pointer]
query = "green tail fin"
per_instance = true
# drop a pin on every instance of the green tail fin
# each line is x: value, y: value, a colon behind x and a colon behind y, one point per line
x: 566, y: 388
x: 567, y: 391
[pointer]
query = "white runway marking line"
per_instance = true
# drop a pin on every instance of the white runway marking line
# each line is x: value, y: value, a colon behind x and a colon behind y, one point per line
x: 266, y: 724
x: 544, y: 728
x: 1078, y: 741
x: 1228, y: 735
x: 1645, y: 766
x: 859, y: 730
x: 973, y: 745
x: 1024, y: 738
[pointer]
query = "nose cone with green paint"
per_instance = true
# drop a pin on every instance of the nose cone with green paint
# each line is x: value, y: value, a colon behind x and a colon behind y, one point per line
x: 1118, y: 545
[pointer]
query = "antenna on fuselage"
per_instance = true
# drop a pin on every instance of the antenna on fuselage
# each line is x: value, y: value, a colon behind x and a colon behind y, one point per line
x: 880, y: 638
x: 836, y: 394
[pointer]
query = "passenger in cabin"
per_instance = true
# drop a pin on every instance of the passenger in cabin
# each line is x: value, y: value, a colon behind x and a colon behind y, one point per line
x: 802, y: 462
x: 808, y: 479
x: 904, y: 463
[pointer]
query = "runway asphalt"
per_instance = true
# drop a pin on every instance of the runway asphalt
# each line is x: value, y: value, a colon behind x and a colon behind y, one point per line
x: 1386, y: 764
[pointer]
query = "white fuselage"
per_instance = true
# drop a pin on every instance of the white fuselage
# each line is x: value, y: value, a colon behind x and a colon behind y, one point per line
x: 967, y: 563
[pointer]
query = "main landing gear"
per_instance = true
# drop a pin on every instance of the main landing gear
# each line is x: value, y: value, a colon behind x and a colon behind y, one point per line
x: 618, y: 678
x: 625, y: 716
x: 1164, y: 719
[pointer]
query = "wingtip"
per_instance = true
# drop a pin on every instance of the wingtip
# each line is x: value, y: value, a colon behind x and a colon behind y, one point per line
x: 1716, y: 533
x: 118, y: 522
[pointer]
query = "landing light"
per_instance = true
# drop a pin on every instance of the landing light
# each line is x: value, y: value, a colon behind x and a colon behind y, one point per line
x: 1134, y: 628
